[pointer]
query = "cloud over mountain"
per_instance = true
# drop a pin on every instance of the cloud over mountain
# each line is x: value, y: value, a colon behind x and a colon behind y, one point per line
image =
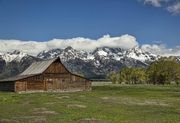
x: 161, y: 49
x: 79, y: 43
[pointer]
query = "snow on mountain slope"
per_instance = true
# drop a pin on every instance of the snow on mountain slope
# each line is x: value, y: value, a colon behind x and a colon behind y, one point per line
x: 101, y: 53
x: 70, y: 53
x: 49, y: 54
x: 94, y: 64
x: 139, y: 54
x: 108, y: 53
x: 10, y: 56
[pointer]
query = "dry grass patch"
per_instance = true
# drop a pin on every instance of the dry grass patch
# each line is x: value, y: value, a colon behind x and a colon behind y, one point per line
x: 50, y: 103
x: 146, y: 102
x: 92, y: 120
x: 105, y: 98
x: 26, y: 102
x: 63, y: 97
x: 43, y: 111
x: 39, y: 109
x: 8, y: 121
x: 47, y: 112
x: 82, y: 96
x: 76, y: 106
x: 132, y: 101
x: 33, y: 119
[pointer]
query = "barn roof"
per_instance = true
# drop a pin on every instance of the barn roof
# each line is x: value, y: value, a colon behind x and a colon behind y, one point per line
x: 34, y: 69
x: 38, y: 67
x: 14, y: 78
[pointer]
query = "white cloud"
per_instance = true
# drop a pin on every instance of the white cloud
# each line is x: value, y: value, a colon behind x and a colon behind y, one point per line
x: 80, y: 43
x: 161, y: 49
x: 171, y: 6
x: 174, y: 9
x: 155, y: 3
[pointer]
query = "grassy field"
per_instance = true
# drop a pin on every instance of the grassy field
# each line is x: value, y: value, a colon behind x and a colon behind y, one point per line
x: 104, y: 104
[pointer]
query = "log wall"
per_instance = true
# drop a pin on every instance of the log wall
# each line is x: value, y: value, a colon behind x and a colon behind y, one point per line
x: 55, y: 78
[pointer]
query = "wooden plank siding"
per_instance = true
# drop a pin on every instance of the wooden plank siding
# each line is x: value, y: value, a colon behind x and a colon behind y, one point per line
x: 56, y: 67
x: 55, y: 78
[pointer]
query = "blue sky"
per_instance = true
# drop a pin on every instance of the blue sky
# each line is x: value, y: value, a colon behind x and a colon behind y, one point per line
x: 43, y: 20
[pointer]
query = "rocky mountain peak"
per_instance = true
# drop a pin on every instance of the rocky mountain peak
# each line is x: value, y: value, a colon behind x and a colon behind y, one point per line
x: 15, y: 55
x: 68, y: 48
x: 141, y: 55
x: 16, y: 52
x: 92, y: 64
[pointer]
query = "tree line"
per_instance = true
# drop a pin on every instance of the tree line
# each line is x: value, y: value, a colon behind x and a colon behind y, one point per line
x: 163, y: 71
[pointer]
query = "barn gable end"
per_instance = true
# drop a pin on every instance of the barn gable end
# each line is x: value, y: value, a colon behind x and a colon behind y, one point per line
x: 50, y: 75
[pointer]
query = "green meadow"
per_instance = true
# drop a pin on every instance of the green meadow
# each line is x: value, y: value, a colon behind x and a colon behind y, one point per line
x: 104, y: 104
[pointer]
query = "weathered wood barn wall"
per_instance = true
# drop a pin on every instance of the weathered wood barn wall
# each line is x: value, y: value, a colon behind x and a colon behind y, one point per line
x: 50, y: 75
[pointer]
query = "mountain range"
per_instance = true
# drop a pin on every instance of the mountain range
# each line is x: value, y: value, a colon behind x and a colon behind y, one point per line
x: 94, y: 64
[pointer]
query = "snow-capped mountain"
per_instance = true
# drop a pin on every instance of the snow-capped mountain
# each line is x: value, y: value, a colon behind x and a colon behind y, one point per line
x: 94, y: 64
x: 10, y: 56
x: 99, y: 54
x: 100, y: 61
x: 138, y: 54
x: 13, y: 63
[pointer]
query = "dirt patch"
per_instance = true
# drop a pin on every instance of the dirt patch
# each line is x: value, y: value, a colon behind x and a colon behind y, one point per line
x: 47, y: 112
x: 39, y: 109
x: 8, y: 121
x: 40, y: 120
x: 151, y: 103
x: 34, y: 119
x: 43, y: 111
x: 92, y: 120
x: 105, y: 98
x: 63, y: 97
x: 132, y: 101
x: 76, y: 106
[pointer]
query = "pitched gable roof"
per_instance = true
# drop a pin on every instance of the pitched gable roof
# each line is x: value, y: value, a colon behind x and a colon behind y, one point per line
x: 34, y: 69
x: 38, y: 67
x: 14, y: 78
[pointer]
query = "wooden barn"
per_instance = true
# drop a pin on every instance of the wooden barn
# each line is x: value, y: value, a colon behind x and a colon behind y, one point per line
x: 49, y: 75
